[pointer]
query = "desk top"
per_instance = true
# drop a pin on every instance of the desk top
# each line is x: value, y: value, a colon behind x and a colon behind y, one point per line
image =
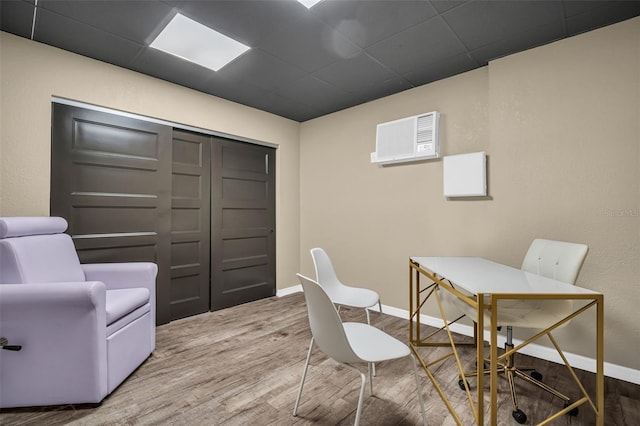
x: 478, y: 275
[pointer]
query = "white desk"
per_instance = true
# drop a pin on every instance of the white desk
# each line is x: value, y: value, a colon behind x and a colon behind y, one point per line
x: 488, y: 283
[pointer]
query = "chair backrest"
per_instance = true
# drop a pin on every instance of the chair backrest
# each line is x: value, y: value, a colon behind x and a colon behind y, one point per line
x: 324, y: 321
x: 325, y: 274
x: 559, y: 260
x: 36, y: 250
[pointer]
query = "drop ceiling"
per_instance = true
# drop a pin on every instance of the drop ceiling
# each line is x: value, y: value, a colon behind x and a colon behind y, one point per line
x: 305, y: 63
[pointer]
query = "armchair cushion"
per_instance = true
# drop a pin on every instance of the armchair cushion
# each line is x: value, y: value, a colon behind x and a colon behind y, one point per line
x: 124, y: 301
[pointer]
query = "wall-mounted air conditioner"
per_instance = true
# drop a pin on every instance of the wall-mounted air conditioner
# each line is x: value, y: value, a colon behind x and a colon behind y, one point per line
x: 408, y: 139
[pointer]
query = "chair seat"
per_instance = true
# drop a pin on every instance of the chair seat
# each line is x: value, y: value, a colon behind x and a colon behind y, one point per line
x: 519, y: 313
x: 121, y: 302
x: 372, y: 344
x: 353, y: 296
x: 533, y: 313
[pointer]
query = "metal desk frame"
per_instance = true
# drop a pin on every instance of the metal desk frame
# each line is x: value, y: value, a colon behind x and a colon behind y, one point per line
x: 418, y: 297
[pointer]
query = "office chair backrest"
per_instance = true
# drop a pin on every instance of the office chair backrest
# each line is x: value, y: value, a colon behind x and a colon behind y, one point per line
x: 326, y: 326
x: 325, y: 274
x: 555, y: 259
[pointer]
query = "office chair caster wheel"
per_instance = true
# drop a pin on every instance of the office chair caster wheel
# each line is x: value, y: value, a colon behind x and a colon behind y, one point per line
x: 573, y: 412
x: 461, y: 384
x: 520, y: 416
x: 536, y: 375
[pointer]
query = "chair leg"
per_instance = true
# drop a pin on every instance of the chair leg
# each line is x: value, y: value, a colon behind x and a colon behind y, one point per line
x: 304, y: 375
x: 419, y: 389
x: 363, y: 379
x: 363, y: 383
x: 373, y: 366
x: 381, y: 316
x: 370, y: 368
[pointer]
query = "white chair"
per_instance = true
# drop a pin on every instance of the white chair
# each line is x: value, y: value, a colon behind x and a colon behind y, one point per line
x: 342, y: 294
x: 559, y: 260
x: 349, y: 343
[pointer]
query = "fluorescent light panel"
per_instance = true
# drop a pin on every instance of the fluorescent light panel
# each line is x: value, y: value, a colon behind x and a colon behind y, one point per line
x: 309, y: 3
x: 194, y: 42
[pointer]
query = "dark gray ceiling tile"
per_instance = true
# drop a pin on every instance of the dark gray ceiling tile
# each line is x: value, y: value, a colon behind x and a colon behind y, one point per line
x: 171, y: 68
x: 261, y: 69
x: 517, y: 42
x: 620, y: 7
x: 286, y: 107
x: 366, y: 22
x: 413, y: 49
x: 362, y: 70
x: 599, y: 15
x: 257, y: 97
x: 84, y: 39
x: 319, y: 94
x: 363, y: 76
x: 308, y: 44
x: 16, y: 17
x: 443, y: 5
x: 438, y: 70
x: 382, y: 89
x: 479, y: 23
x: 137, y: 21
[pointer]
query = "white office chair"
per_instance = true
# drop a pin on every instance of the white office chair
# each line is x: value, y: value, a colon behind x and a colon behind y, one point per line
x: 559, y: 260
x: 342, y: 294
x: 349, y: 343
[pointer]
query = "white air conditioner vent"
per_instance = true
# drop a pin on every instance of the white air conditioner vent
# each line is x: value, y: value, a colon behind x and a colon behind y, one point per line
x: 408, y: 139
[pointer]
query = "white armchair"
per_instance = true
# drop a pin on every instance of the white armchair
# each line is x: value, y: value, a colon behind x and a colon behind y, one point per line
x: 80, y: 329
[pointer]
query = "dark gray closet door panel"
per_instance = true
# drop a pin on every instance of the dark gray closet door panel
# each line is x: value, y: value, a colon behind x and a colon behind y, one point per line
x: 111, y: 180
x: 242, y: 223
x: 190, y: 230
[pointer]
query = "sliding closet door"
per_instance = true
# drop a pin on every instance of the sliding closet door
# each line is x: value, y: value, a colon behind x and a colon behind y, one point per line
x: 111, y: 180
x: 242, y: 223
x: 202, y: 208
x: 190, y: 231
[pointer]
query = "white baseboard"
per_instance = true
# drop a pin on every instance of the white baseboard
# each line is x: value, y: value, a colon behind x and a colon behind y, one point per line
x: 289, y: 290
x: 539, y: 351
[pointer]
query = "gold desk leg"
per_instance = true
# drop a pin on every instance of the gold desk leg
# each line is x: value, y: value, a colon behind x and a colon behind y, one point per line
x: 600, y: 360
x: 410, y: 303
x: 415, y: 341
x: 479, y: 328
x: 494, y: 357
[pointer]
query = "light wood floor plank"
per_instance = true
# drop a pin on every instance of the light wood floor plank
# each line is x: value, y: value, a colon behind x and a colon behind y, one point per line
x: 242, y: 366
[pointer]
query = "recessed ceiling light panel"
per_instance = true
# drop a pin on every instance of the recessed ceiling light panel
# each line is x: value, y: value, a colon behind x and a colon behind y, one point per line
x: 190, y: 40
x: 309, y: 3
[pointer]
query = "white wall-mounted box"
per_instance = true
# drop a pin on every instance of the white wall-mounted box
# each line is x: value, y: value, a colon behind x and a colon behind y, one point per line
x: 465, y: 175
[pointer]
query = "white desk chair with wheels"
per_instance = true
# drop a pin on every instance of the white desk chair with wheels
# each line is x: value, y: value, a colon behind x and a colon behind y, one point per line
x: 349, y: 343
x: 558, y: 260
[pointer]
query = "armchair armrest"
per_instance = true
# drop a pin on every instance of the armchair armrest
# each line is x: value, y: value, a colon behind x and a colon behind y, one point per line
x: 62, y: 330
x: 123, y: 275
x: 127, y: 275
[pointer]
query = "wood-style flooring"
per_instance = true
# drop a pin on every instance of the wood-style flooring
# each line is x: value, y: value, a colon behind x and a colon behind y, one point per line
x: 242, y: 366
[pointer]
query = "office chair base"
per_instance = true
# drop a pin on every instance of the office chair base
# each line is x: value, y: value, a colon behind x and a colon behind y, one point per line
x: 519, y: 416
x: 510, y: 372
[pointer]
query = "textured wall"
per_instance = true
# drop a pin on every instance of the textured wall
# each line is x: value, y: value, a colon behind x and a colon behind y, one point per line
x: 560, y: 127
